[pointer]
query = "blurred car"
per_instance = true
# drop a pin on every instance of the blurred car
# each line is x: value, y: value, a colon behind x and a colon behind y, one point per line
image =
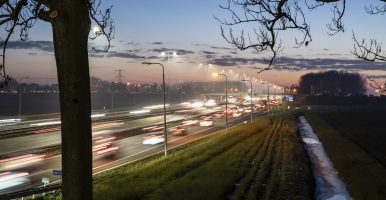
x: 104, y: 147
x: 218, y: 115
x: 190, y: 122
x: 236, y: 114
x: 177, y: 131
x: 206, y: 123
x: 153, y: 128
x: 104, y: 150
x: 206, y: 117
x: 247, y: 110
x: 10, y: 179
x: 17, y: 162
x: 153, y: 139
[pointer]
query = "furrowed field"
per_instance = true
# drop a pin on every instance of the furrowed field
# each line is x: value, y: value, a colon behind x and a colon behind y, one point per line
x: 265, y: 160
x: 355, y: 141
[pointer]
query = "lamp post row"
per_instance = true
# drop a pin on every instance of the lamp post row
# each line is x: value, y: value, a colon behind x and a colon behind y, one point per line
x: 226, y: 100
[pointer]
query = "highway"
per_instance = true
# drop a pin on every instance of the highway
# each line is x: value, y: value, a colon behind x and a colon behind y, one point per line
x: 30, y: 172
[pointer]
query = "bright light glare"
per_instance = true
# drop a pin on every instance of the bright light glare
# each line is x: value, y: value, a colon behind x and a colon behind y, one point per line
x: 47, y: 123
x: 139, y: 112
x: 197, y: 104
x: 24, y: 161
x: 214, y: 74
x: 206, y: 123
x: 106, y: 139
x: 175, y: 53
x: 12, y: 179
x: 154, y: 140
x: 97, y: 115
x: 96, y: 30
x: 155, y: 107
x: 9, y: 120
x: 101, y: 132
x: 210, y: 103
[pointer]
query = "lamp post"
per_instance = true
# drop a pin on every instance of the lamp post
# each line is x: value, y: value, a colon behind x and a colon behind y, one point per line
x: 226, y: 99
x: 250, y: 81
x: 164, y: 93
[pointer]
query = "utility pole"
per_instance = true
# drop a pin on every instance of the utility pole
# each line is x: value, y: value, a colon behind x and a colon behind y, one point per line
x: 120, y: 75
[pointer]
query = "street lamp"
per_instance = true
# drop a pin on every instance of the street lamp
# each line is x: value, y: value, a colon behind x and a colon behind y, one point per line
x: 250, y: 81
x: 163, y: 85
x: 226, y: 99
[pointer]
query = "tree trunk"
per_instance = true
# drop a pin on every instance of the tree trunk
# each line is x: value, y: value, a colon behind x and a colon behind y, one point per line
x: 71, y: 27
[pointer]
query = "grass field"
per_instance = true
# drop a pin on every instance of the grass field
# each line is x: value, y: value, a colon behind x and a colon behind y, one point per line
x: 265, y: 160
x: 355, y: 142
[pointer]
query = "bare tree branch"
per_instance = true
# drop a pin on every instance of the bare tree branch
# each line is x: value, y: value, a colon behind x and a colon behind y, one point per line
x: 104, y: 22
x: 377, y: 9
x: 370, y: 51
x: 336, y: 24
x: 270, y: 17
x: 21, y: 15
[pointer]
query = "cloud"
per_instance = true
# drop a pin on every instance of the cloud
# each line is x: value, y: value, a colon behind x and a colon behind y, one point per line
x: 96, y: 55
x: 125, y: 55
x: 157, y: 43
x: 132, y: 43
x: 46, y: 46
x: 234, y: 61
x: 208, y: 52
x: 378, y: 76
x: 178, y: 51
x: 220, y: 48
x: 298, y: 64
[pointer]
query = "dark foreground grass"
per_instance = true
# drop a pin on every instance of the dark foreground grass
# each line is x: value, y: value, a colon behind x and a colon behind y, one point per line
x: 265, y: 160
x: 354, y: 141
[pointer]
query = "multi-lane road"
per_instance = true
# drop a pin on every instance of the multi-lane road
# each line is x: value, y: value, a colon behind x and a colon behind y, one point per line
x: 27, y: 159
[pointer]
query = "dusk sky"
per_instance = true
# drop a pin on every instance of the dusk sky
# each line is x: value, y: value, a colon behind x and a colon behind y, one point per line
x: 145, y: 28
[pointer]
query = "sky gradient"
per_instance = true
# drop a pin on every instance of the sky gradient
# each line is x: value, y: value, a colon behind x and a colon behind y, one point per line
x: 145, y: 28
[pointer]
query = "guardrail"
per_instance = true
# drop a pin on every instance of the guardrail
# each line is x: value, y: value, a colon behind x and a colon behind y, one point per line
x: 30, y: 192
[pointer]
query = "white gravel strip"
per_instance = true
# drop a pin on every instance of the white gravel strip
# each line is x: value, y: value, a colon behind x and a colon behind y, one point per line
x: 328, y: 184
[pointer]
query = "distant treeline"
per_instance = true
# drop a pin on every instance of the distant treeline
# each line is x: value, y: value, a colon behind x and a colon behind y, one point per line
x: 332, y: 83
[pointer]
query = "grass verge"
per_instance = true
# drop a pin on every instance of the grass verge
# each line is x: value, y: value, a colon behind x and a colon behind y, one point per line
x: 264, y: 160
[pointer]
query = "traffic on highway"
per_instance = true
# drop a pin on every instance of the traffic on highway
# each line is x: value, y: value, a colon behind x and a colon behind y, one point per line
x: 31, y: 157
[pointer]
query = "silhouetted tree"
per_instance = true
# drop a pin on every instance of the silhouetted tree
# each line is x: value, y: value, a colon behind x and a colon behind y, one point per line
x: 332, y: 83
x: 71, y: 23
x: 272, y: 17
